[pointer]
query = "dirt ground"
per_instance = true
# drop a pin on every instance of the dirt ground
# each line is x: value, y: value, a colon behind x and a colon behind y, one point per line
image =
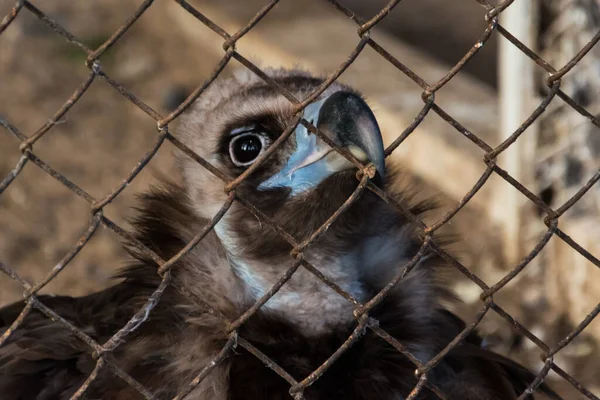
x: 96, y: 145
x: 101, y: 139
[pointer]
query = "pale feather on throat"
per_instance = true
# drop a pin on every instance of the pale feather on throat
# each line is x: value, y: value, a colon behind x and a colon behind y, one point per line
x: 304, y: 295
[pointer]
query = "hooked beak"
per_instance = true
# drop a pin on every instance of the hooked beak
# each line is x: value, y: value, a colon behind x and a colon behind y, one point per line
x: 351, y: 124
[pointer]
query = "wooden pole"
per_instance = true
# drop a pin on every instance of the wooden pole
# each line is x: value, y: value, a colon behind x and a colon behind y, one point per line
x: 516, y: 101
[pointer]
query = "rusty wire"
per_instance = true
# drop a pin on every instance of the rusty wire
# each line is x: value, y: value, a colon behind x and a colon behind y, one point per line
x: 364, y: 175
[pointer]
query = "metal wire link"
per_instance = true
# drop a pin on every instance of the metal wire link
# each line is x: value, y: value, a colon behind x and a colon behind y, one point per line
x: 361, y: 311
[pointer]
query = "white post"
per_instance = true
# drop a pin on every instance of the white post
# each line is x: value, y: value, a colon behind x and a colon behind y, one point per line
x: 517, y: 101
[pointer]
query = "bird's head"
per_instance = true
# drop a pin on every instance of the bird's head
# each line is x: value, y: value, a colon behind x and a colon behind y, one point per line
x: 238, y: 119
x: 299, y: 186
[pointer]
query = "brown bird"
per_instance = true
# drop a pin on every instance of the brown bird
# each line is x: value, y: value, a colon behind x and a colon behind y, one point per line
x: 305, y: 322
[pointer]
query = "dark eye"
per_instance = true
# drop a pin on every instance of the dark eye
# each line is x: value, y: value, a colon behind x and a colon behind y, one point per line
x: 244, y: 149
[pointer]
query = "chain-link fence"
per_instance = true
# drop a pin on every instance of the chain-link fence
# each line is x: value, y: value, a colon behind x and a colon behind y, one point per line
x: 429, y: 242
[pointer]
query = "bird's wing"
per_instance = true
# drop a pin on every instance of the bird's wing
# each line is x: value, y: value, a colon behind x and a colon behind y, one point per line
x: 42, y: 359
x: 518, y: 376
x: 476, y: 363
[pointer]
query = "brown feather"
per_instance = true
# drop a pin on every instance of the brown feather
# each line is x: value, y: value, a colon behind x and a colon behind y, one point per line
x: 299, y: 327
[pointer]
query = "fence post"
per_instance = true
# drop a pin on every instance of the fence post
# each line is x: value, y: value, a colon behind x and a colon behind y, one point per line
x: 517, y: 99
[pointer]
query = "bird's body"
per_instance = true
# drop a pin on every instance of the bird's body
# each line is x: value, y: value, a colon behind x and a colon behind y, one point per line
x: 306, y: 321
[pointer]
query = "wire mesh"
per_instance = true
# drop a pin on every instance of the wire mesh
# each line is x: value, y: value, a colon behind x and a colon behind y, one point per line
x: 101, y: 352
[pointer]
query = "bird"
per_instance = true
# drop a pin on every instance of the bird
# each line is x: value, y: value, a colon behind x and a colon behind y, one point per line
x: 298, y: 187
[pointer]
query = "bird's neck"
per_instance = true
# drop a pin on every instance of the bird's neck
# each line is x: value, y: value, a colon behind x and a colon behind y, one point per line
x: 305, y: 300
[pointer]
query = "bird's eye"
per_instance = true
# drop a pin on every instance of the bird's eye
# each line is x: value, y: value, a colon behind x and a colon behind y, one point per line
x: 245, y: 148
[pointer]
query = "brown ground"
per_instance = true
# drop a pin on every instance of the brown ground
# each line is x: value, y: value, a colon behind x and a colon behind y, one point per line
x: 97, y: 144
x: 104, y: 135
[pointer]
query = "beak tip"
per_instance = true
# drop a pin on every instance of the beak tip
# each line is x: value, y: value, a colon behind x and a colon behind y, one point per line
x: 350, y: 118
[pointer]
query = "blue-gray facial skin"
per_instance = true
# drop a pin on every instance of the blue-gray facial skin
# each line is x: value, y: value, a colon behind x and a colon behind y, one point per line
x: 307, y: 166
x: 313, y: 160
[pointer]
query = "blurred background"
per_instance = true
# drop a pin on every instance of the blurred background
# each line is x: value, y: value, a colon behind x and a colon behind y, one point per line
x: 167, y: 53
